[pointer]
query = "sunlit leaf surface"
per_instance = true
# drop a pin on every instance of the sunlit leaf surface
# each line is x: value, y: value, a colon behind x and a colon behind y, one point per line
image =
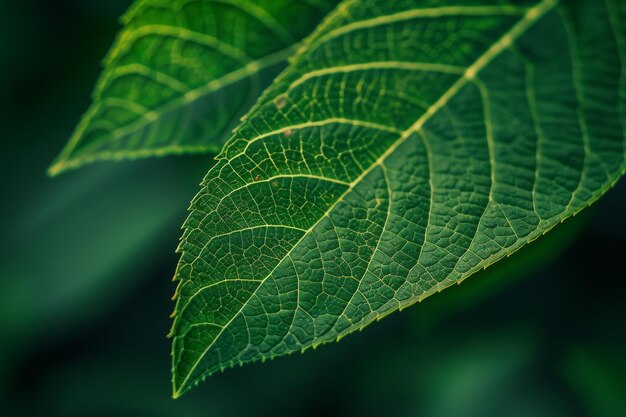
x: 182, y: 72
x: 409, y: 145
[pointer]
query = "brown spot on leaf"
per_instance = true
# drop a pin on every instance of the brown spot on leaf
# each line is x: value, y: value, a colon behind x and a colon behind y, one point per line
x: 280, y: 101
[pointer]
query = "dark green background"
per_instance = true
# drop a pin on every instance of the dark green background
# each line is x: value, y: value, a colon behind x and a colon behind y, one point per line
x: 85, y: 287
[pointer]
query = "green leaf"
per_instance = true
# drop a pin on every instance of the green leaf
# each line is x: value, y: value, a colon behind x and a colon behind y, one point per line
x: 182, y: 71
x: 409, y: 145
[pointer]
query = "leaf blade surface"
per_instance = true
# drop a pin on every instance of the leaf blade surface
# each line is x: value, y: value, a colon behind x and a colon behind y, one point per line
x: 181, y: 72
x: 408, y: 146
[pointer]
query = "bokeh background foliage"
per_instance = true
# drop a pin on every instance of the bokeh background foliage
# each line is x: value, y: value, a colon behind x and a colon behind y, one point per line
x: 86, y: 260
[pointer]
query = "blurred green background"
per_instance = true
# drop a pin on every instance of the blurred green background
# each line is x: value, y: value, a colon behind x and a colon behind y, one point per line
x: 87, y: 258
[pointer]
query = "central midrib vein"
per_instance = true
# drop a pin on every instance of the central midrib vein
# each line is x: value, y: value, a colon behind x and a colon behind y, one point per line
x: 532, y: 15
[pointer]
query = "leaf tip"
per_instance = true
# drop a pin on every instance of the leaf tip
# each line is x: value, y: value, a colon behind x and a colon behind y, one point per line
x: 55, y: 169
x: 179, y: 387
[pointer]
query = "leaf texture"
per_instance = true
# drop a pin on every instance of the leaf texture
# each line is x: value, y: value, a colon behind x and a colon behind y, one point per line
x: 409, y: 145
x: 182, y: 71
